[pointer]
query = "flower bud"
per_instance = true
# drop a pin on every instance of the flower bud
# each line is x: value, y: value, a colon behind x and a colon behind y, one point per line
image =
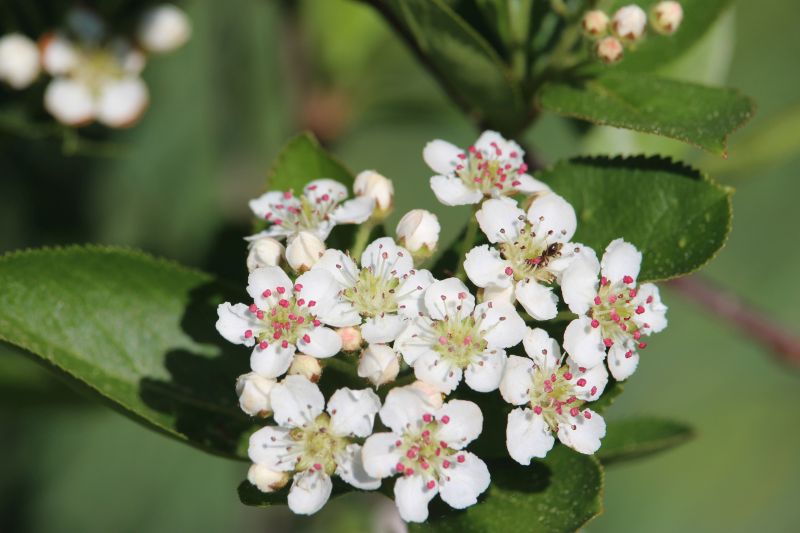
x: 265, y: 479
x: 595, y: 23
x: 164, y: 28
x: 418, y: 231
x: 351, y: 338
x: 379, y: 364
x: 264, y: 251
x: 666, y: 17
x: 304, y: 250
x: 306, y: 366
x: 495, y: 294
x: 19, y: 60
x: 432, y: 396
x: 253, y: 391
x: 381, y: 189
x: 629, y: 23
x: 609, y: 50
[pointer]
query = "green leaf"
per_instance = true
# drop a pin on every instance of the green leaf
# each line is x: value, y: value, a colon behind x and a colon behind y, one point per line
x: 677, y: 217
x: 638, y: 437
x: 465, y: 64
x: 609, y: 396
x: 301, y: 160
x: 699, y: 115
x: 135, y: 331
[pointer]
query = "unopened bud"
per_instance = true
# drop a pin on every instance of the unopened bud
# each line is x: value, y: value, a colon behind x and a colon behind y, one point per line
x: 629, y: 23
x: 351, y: 338
x: 264, y: 251
x: 418, y: 232
x: 265, y: 479
x: 381, y: 189
x: 497, y: 294
x: 19, y: 60
x: 379, y: 364
x: 609, y: 50
x: 666, y: 17
x: 306, y: 366
x: 304, y: 250
x: 595, y: 23
x: 253, y: 391
x: 430, y: 394
x: 164, y: 28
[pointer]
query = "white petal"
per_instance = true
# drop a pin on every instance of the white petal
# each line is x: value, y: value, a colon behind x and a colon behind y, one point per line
x: 583, y: 434
x: 58, y: 54
x: 269, y: 279
x: 595, y: 378
x: 354, y: 211
x: 386, y: 258
x: 296, y: 401
x: 441, y: 156
x: 413, y: 342
x: 584, y: 343
x: 501, y: 323
x: 403, y: 409
x: 528, y: 184
x: 452, y: 191
x: 464, y: 482
x: 619, y: 260
x: 70, y: 102
x: 323, y: 342
x: 164, y: 28
x: 320, y: 287
x: 121, y: 103
x: 527, y: 436
x: 340, y: 314
x: 350, y: 467
x: 412, y: 495
x: 500, y: 219
x: 325, y: 191
x: 380, y: 455
x: 517, y: 379
x: 448, y: 297
x: 268, y: 447
x: 498, y: 294
x: 488, y: 140
x: 353, y: 411
x: 484, y: 374
x: 485, y: 267
x: 655, y: 312
x: 273, y: 361
x: 310, y: 492
x: 339, y: 265
x: 19, y: 60
x: 432, y: 369
x: 464, y: 423
x: 551, y: 215
x: 410, y: 295
x: 383, y: 329
x: 267, y: 203
x: 253, y: 391
x: 234, y: 321
x: 579, y: 283
x: 622, y: 360
x: 542, y: 348
x: 538, y: 300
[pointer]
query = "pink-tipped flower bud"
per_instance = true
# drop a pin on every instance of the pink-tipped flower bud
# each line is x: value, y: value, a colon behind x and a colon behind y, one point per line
x: 306, y: 366
x: 267, y: 480
x: 253, y: 391
x: 351, y: 338
x: 629, y: 23
x: 418, y: 231
x: 303, y: 251
x: 264, y: 251
x: 380, y: 188
x: 19, y: 60
x: 666, y: 17
x: 595, y: 23
x: 164, y: 28
x: 379, y: 364
x: 609, y: 50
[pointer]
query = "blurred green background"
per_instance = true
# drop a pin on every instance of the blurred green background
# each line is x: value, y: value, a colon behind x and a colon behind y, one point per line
x: 177, y: 185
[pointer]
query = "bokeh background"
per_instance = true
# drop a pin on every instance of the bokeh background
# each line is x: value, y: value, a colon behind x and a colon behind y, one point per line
x: 254, y: 73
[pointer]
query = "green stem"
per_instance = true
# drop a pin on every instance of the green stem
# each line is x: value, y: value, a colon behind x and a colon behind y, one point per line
x: 361, y: 239
x: 468, y: 242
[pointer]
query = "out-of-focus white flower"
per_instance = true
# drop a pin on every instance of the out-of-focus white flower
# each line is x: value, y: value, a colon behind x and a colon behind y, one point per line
x: 264, y: 251
x: 379, y: 363
x: 303, y: 251
x: 609, y: 50
x: 417, y: 230
x: 351, y: 338
x: 594, y: 23
x: 306, y: 366
x: 629, y: 23
x: 164, y: 28
x: 19, y: 60
x: 253, y: 392
x: 376, y: 186
x: 666, y: 17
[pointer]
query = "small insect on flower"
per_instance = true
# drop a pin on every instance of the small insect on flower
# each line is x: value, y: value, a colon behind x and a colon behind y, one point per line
x: 615, y: 313
x: 313, y: 444
x: 426, y: 449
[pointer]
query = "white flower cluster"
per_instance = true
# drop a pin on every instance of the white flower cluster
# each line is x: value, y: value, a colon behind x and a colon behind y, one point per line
x: 420, y: 336
x: 627, y: 27
x: 95, y: 75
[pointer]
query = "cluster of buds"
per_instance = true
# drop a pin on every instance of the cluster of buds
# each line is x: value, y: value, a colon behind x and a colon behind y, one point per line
x: 95, y: 74
x: 627, y: 27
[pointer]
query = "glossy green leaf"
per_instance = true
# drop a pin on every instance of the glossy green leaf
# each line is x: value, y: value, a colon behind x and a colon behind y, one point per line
x: 638, y: 437
x: 677, y: 217
x: 303, y: 160
x: 137, y: 332
x: 699, y: 115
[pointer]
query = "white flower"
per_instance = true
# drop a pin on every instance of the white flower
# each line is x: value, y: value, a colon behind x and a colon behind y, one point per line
x: 492, y: 167
x: 253, y: 392
x: 164, y: 28
x: 629, y: 23
x: 304, y: 250
x: 321, y: 207
x: 453, y: 338
x: 609, y: 50
x: 379, y: 364
x: 614, y: 313
x: 594, y: 23
x: 19, y: 60
x: 262, y: 252
x: 666, y: 17
x: 306, y: 366
x: 425, y: 446
x: 285, y: 317
x: 554, y: 396
x: 530, y: 253
x: 314, y: 445
x: 376, y: 186
x: 385, y: 291
x: 417, y: 229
